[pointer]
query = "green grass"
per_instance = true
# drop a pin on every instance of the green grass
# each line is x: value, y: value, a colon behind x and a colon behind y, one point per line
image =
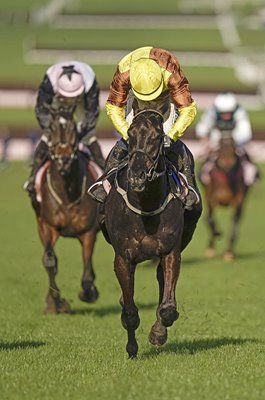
x: 253, y: 39
x: 20, y: 5
x: 20, y: 117
x: 119, y: 7
x: 214, y: 351
x: 171, y: 39
x: 17, y: 117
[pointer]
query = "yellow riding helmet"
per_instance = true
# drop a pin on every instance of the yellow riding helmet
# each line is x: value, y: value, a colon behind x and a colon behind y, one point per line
x: 146, y: 79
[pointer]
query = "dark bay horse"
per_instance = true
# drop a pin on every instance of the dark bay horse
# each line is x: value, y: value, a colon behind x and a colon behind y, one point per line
x: 224, y: 186
x: 145, y: 221
x: 65, y: 209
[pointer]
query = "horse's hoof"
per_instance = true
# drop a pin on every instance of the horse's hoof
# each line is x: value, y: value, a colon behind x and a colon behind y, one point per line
x: 217, y: 234
x: 229, y: 256
x: 168, y: 315
x: 89, y: 296
x: 158, y: 335
x: 57, y: 306
x: 132, y: 349
x: 210, y: 252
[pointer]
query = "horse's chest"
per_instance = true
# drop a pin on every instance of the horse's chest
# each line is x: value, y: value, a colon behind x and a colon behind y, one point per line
x: 72, y: 221
x: 142, y: 243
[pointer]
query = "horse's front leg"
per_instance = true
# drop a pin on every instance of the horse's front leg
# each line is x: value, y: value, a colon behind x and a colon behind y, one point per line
x: 229, y: 254
x: 166, y: 313
x: 130, y: 318
x: 89, y: 293
x: 54, y: 303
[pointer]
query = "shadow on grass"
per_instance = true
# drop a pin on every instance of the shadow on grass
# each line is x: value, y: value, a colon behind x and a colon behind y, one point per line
x: 196, y: 346
x: 105, y: 311
x: 219, y: 256
x: 21, y: 345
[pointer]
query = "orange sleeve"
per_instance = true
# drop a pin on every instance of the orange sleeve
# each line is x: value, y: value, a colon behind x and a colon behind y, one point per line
x: 179, y: 89
x: 176, y: 81
x: 119, y: 88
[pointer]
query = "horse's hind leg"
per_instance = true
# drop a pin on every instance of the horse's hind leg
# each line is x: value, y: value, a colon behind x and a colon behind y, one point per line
x: 129, y: 317
x: 229, y: 254
x: 166, y: 313
x: 54, y: 303
x: 214, y: 233
x: 89, y: 292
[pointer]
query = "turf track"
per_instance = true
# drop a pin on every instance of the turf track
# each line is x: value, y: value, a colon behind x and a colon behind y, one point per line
x: 215, y: 350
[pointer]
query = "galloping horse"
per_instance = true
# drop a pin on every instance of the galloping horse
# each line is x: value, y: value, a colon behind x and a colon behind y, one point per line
x: 144, y: 221
x: 63, y: 208
x: 224, y: 186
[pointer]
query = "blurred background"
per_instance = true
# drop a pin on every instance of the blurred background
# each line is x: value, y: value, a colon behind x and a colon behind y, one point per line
x: 220, y: 45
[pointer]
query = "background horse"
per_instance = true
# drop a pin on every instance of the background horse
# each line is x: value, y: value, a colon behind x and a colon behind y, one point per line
x: 224, y: 185
x: 145, y: 221
x: 63, y: 208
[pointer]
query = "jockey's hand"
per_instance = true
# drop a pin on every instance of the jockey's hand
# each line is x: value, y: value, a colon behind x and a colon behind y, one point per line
x: 167, y: 141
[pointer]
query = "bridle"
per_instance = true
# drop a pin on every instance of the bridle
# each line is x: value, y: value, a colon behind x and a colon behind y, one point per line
x: 151, y: 174
x: 62, y: 159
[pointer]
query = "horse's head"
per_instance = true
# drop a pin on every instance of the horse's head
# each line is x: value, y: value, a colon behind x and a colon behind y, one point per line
x: 226, y: 153
x: 63, y: 143
x: 146, y: 138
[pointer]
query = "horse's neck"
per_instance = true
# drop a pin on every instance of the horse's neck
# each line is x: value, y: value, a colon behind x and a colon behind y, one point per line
x: 68, y: 187
x: 152, y: 197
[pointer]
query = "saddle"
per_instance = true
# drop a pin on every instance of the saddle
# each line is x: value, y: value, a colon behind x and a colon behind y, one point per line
x: 212, y: 171
x: 177, y: 181
x: 94, y: 170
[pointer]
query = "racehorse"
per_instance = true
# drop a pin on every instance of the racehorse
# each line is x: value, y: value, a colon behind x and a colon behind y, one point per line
x: 224, y: 186
x: 144, y: 221
x: 63, y: 208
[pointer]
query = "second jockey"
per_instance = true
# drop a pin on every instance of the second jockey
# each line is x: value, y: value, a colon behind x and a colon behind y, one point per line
x: 226, y: 115
x: 69, y: 89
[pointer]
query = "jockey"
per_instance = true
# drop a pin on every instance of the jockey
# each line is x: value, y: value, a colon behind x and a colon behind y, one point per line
x: 70, y: 89
x: 226, y: 114
x: 151, y: 78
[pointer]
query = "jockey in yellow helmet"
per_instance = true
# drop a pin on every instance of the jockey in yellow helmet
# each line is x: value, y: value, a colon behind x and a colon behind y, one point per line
x: 151, y: 78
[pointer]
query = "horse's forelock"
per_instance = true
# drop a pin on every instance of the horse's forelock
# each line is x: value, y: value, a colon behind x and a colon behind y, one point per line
x: 147, y: 121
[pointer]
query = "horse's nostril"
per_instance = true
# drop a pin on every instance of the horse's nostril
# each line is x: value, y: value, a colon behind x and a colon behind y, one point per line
x: 142, y: 176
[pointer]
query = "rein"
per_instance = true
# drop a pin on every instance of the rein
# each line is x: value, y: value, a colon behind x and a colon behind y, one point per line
x: 56, y: 157
x: 57, y: 197
x: 149, y: 110
x: 152, y: 174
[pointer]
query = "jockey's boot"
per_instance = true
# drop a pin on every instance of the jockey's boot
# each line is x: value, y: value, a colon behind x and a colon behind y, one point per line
x: 245, y: 158
x: 39, y: 158
x: 97, y: 154
x: 187, y: 168
x: 116, y: 155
